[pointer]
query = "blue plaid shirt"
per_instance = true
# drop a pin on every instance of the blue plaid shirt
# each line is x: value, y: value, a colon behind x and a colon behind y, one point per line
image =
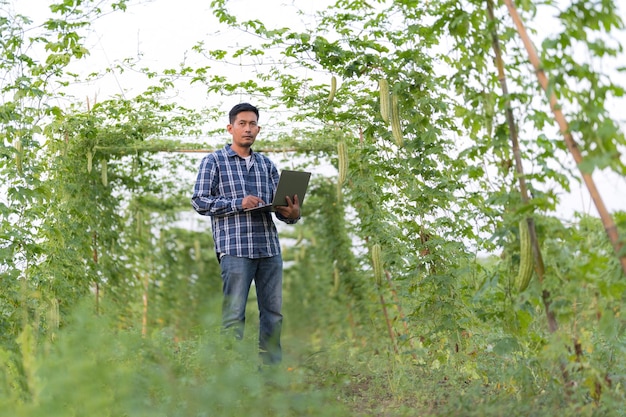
x: 222, y: 183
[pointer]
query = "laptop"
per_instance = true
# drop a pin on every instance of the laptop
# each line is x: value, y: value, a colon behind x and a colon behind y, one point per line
x: 289, y: 184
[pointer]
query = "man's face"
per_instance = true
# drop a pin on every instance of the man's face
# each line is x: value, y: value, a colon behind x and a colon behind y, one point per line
x: 244, y: 129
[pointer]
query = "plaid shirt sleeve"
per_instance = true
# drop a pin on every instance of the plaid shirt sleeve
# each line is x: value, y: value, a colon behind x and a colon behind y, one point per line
x: 207, y: 198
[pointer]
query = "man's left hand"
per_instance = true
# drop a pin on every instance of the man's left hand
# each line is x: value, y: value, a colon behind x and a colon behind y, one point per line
x: 291, y: 210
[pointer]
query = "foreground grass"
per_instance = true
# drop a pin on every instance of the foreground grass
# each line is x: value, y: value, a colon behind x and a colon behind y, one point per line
x: 94, y: 368
x: 368, y: 379
x: 373, y: 384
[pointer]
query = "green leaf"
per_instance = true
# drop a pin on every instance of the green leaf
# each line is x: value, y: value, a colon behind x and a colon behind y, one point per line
x: 506, y: 346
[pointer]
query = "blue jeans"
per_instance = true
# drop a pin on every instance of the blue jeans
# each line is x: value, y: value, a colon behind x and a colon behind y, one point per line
x: 237, y: 277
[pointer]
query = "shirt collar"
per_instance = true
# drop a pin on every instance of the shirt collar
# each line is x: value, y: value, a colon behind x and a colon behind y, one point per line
x: 232, y: 153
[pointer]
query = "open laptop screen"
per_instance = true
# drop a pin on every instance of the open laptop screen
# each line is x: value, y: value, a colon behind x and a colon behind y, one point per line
x: 290, y: 183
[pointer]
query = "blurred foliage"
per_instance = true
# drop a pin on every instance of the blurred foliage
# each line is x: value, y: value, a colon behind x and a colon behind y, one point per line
x: 95, y: 368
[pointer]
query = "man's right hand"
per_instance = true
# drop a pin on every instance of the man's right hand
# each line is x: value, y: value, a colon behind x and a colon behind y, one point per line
x: 251, y: 201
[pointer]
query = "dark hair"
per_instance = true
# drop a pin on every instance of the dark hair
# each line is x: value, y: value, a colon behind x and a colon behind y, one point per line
x: 232, y: 115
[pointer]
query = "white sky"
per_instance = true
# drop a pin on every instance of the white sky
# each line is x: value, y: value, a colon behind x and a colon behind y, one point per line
x: 161, y: 31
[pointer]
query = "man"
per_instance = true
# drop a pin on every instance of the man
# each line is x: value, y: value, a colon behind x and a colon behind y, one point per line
x: 230, y: 180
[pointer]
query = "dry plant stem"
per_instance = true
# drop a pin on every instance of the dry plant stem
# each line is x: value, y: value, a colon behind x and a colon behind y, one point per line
x: 351, y: 318
x: 389, y: 328
x: 519, y: 169
x: 572, y: 146
x: 144, y: 318
x: 95, y: 260
x: 401, y: 313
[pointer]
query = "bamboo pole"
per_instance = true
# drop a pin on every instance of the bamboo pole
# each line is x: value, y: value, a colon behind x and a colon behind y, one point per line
x: 132, y: 150
x: 572, y: 146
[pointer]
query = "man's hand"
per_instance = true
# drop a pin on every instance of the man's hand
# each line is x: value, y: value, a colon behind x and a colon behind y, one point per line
x: 251, y: 201
x: 291, y: 210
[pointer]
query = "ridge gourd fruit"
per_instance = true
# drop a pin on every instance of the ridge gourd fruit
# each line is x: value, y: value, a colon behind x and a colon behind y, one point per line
x: 377, y: 263
x: 383, y: 90
x: 396, y: 127
x: 342, y: 154
x: 89, y: 161
x: 526, y: 257
x: 104, y: 173
x: 333, y: 89
x: 342, y: 167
